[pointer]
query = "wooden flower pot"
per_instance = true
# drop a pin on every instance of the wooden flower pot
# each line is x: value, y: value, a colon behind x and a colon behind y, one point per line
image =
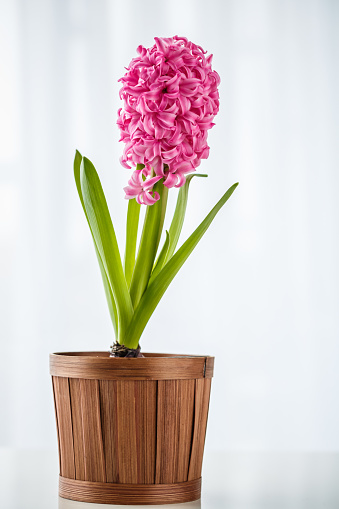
x: 131, y: 430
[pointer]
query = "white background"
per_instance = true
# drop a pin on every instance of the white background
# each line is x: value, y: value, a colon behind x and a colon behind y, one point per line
x: 261, y: 290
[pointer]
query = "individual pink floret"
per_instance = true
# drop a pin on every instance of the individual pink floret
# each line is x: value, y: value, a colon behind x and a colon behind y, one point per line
x: 171, y: 97
x: 140, y: 186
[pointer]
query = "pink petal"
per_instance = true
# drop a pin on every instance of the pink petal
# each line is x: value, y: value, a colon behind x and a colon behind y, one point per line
x: 148, y: 184
x: 171, y: 180
x: 124, y: 164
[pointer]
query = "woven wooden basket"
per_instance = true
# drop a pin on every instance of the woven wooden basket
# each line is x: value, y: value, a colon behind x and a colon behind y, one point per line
x: 131, y: 431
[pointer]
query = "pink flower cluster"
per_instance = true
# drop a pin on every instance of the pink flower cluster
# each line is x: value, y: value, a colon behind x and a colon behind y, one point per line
x: 170, y: 96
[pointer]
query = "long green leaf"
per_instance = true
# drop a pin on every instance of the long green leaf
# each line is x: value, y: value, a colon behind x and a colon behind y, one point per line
x: 179, y: 215
x: 109, y: 296
x: 106, y: 242
x: 132, y: 224
x: 150, y: 237
x: 161, y: 258
x: 158, y: 287
x: 108, y: 291
x: 163, y: 199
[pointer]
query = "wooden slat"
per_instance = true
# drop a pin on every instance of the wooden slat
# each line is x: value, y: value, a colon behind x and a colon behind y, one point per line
x: 202, y: 395
x: 94, y: 459
x: 167, y: 429
x: 127, y: 443
x: 57, y: 425
x: 64, y: 421
x: 130, y: 494
x: 185, y: 410
x: 146, y: 432
x: 109, y: 424
x: 100, y: 366
x: 78, y: 440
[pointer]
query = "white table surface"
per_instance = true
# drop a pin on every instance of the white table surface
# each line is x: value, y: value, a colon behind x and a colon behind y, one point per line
x: 29, y: 480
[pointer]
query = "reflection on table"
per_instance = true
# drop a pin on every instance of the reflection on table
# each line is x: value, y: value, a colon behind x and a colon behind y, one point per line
x: 71, y: 504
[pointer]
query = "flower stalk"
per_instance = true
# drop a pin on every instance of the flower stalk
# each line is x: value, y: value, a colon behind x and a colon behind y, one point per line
x: 149, y: 242
x: 170, y: 95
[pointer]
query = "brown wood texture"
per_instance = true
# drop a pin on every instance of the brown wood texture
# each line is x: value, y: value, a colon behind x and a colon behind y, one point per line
x: 95, y: 469
x: 100, y: 366
x: 120, y: 432
x: 126, y: 429
x: 78, y: 435
x: 65, y: 429
x: 131, y: 494
x: 109, y: 423
x: 202, y: 398
x: 209, y: 367
x: 57, y: 424
x: 167, y: 431
x: 146, y: 428
x: 185, y: 410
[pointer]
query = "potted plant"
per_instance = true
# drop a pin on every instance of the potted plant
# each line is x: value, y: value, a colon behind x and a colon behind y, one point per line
x: 131, y: 425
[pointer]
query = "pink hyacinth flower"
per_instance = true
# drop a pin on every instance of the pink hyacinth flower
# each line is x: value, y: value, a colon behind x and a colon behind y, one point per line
x: 170, y: 95
x: 140, y: 187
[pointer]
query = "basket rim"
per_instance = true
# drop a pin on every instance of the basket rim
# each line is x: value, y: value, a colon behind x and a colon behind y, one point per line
x: 154, y: 366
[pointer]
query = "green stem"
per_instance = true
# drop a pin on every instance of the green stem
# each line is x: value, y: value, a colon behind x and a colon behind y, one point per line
x: 149, y: 242
x: 132, y: 225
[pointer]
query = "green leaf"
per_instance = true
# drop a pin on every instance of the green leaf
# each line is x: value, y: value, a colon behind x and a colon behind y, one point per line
x: 161, y: 258
x: 159, y: 285
x: 179, y: 215
x: 109, y: 296
x: 163, y: 205
x: 108, y: 291
x: 132, y: 224
x: 150, y: 237
x: 106, y: 242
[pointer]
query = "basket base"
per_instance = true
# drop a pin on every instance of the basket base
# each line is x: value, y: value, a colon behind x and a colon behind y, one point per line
x: 129, y: 494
